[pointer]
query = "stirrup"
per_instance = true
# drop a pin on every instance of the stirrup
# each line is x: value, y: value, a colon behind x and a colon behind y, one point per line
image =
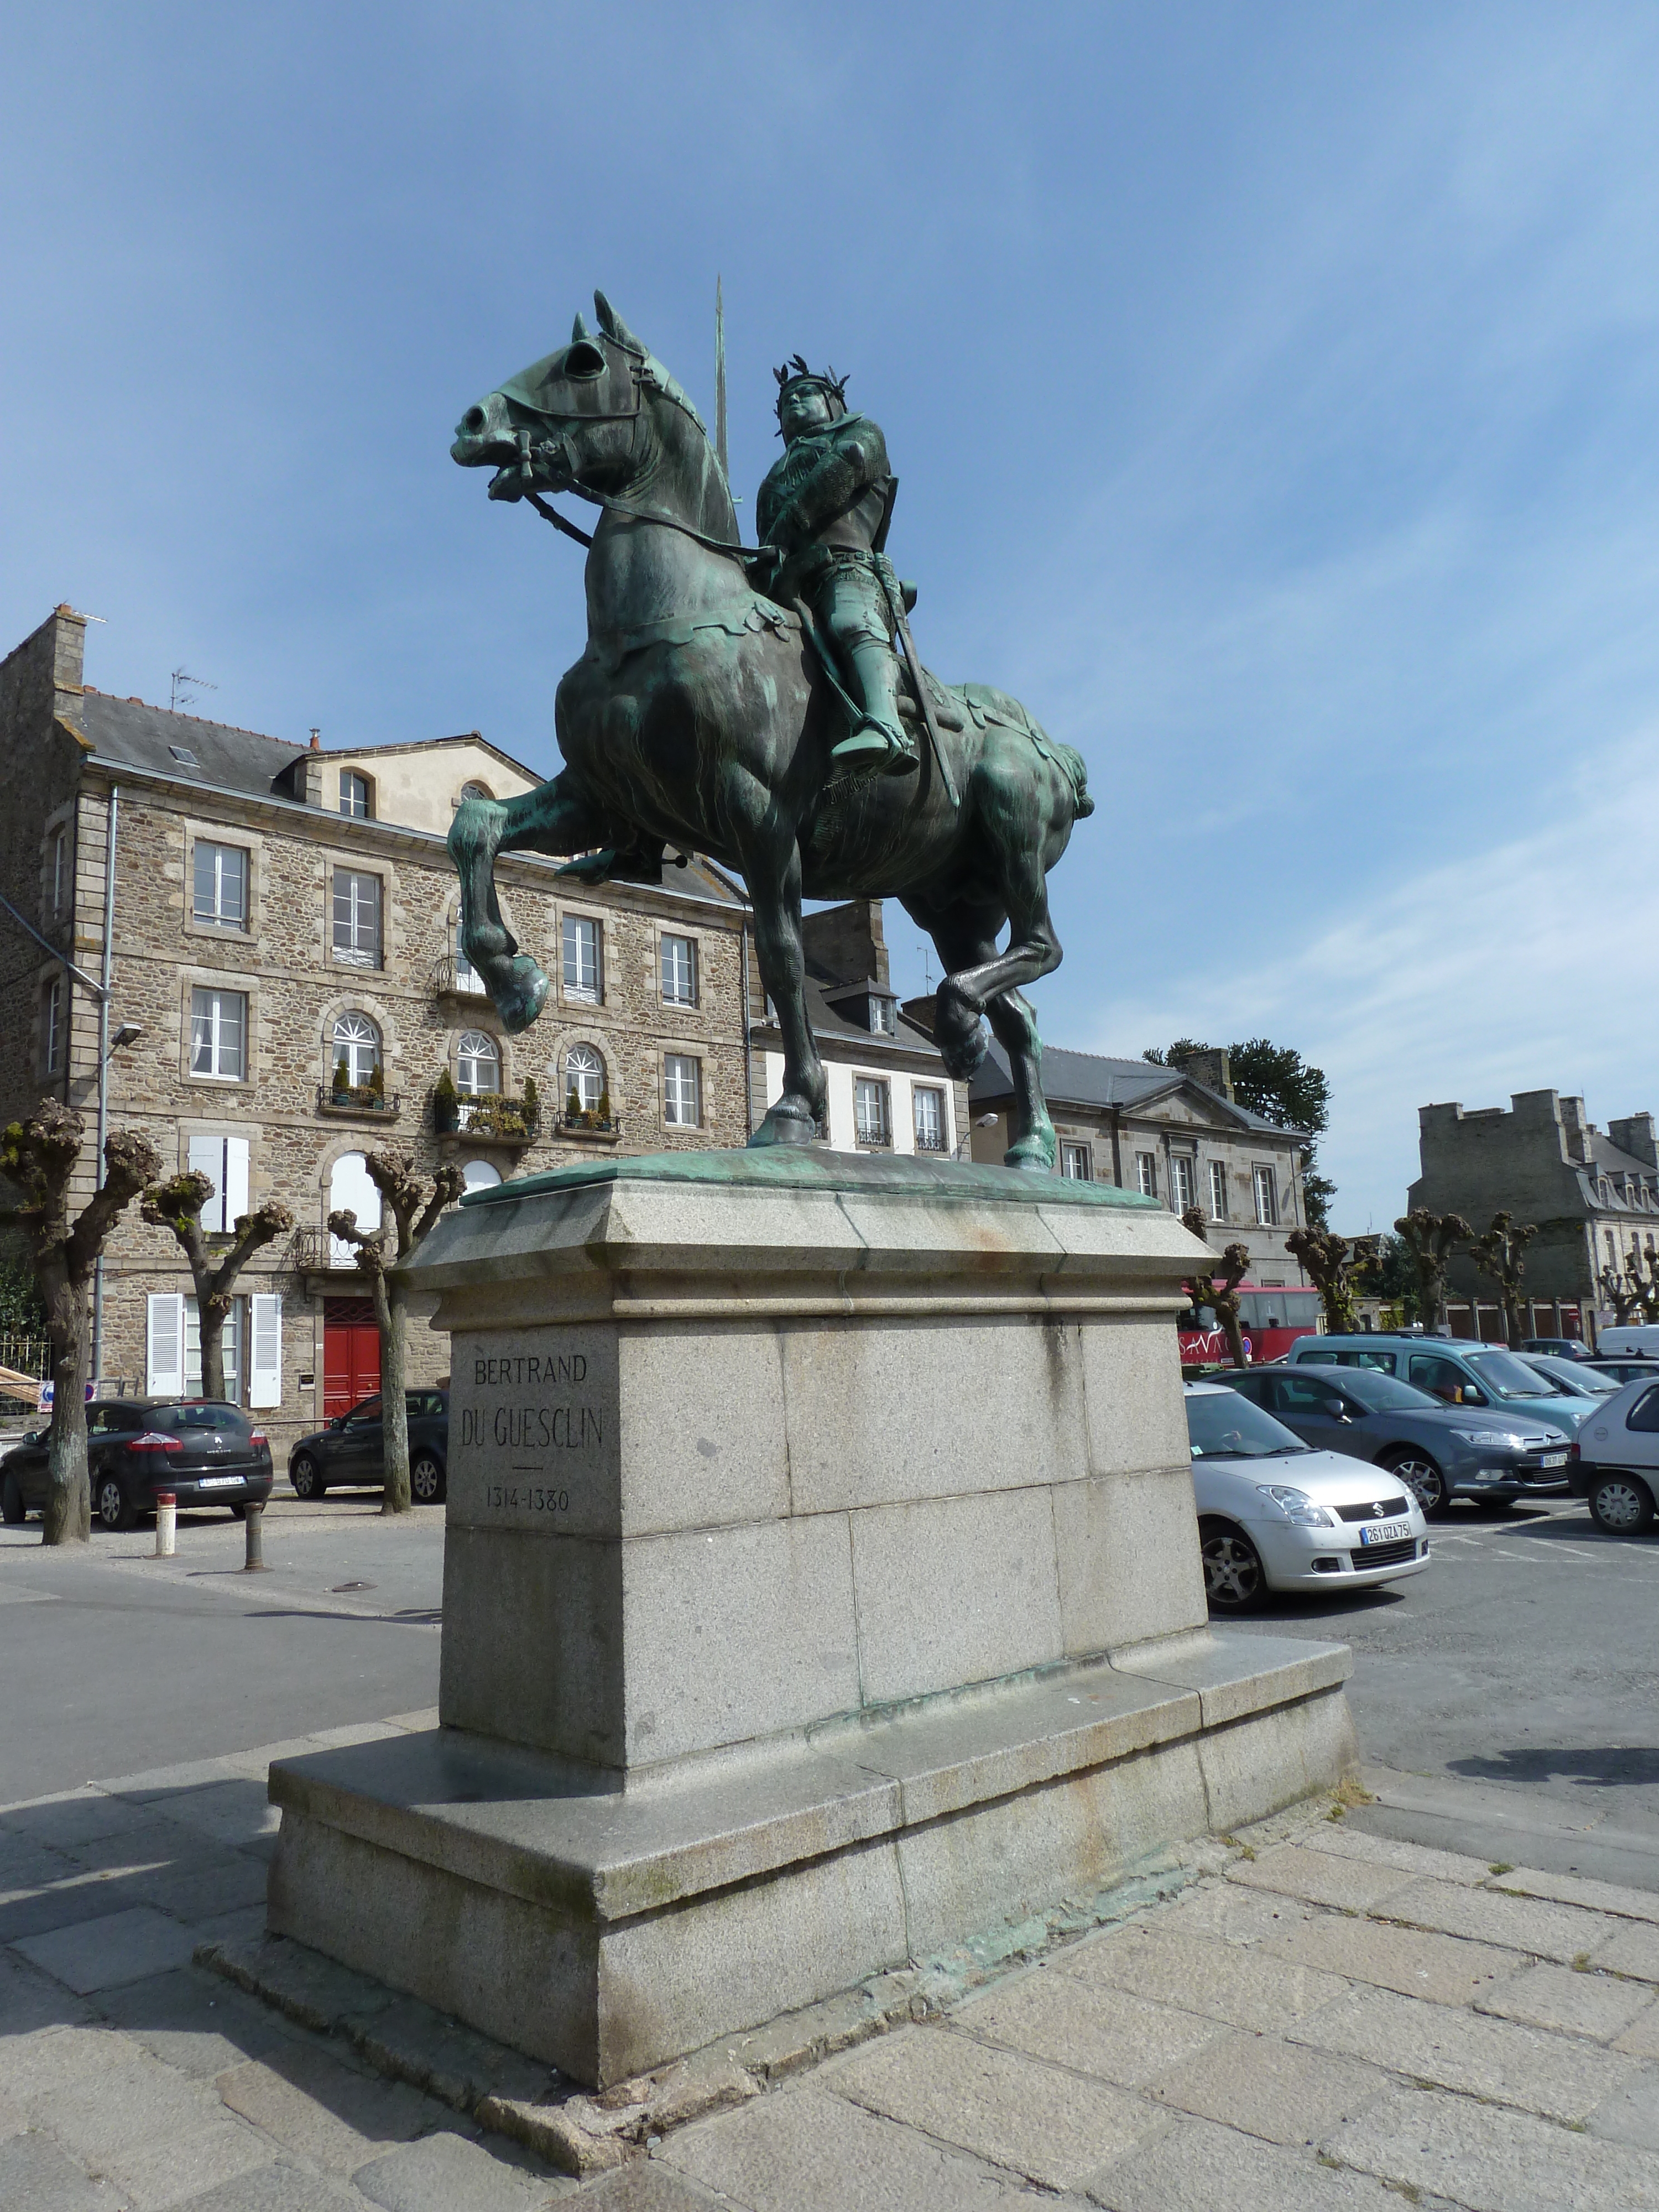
x: 870, y: 737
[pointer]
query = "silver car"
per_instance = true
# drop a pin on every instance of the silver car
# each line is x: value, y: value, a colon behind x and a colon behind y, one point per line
x: 1616, y: 1464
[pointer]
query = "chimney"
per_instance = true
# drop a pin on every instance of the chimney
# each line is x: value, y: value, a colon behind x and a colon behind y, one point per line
x: 316, y: 741
x: 1636, y: 1135
x: 847, y: 943
x: 1208, y: 1065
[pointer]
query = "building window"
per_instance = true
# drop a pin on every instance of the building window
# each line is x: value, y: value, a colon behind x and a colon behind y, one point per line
x: 1218, y: 1190
x: 1181, y: 1183
x: 582, y: 958
x: 218, y: 1033
x: 1266, y: 1208
x: 356, y: 1050
x: 872, y: 1120
x: 927, y: 1109
x: 477, y: 791
x: 884, y: 1016
x: 356, y: 918
x: 230, y: 1348
x: 682, y: 1090
x: 584, y: 1079
x: 351, y: 1189
x: 224, y: 1162
x: 1612, y: 1250
x: 52, y: 1026
x: 478, y: 1064
x: 1146, y: 1174
x: 354, y: 794
x: 221, y: 894
x: 679, y: 971
x: 1075, y: 1165
x: 60, y: 871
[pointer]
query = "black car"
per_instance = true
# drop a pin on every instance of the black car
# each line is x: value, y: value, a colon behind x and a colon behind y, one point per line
x: 205, y: 1452
x: 352, y: 1450
x: 1563, y: 1347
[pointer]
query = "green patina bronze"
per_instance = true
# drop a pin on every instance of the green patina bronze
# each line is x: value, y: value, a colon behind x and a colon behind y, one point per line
x: 749, y: 705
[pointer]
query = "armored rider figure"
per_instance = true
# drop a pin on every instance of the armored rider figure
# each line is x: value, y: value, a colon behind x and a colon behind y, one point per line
x: 822, y: 514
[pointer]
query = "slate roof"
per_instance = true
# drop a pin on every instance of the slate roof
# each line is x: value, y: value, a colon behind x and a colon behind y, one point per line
x: 1089, y: 1079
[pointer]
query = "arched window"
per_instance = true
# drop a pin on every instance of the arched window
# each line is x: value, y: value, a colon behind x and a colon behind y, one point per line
x: 477, y: 791
x: 351, y: 1191
x: 479, y: 1175
x: 477, y: 1063
x: 584, y: 1079
x: 357, y: 1048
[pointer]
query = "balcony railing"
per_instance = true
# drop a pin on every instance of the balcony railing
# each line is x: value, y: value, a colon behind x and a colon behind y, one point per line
x: 485, y: 1117
x: 456, y: 978
x: 931, y: 1141
x: 600, y: 1129
x: 358, y: 1098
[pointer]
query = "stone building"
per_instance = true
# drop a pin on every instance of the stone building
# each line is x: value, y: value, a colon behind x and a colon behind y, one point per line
x: 1594, y: 1198
x: 1169, y: 1134
x: 286, y: 992
x: 888, y: 1089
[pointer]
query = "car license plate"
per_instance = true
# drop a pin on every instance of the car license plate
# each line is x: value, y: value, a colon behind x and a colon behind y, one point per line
x: 1384, y: 1532
x: 1553, y: 1459
x: 220, y: 1482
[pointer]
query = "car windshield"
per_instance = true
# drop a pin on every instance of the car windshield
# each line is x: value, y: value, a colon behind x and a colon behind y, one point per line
x: 204, y: 1416
x: 1571, y: 1380
x: 1380, y: 1394
x: 1228, y: 1426
x: 1508, y: 1377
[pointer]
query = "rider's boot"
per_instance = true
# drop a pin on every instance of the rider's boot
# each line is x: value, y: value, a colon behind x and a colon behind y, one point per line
x: 880, y: 739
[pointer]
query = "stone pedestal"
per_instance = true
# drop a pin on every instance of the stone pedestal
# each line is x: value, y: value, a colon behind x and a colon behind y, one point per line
x: 821, y: 1590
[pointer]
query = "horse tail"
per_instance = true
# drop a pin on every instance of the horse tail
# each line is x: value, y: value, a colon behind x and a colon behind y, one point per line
x: 1077, y: 770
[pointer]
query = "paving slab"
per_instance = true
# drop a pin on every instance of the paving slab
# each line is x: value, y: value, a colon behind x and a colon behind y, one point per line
x: 1524, y: 1923
x: 75, y: 1816
x: 1282, y: 2091
x: 42, y: 2057
x: 649, y: 2185
x: 858, y: 2161
x: 35, y: 2176
x: 1198, y: 2166
x: 1574, y: 1889
x: 30, y: 1999
x: 1568, y: 2002
x: 1235, y: 1915
x: 1631, y: 2115
x: 1445, y: 1969
x: 1494, y: 2160
x: 1353, y: 1884
x: 281, y: 2186
x: 1641, y: 2037
x: 325, y: 2112
x: 446, y: 2173
x: 127, y: 2104
x: 1051, y: 2126
x: 185, y: 2163
x: 1340, y: 1839
x: 1220, y: 1980
x: 1086, y: 2025
x: 1498, y: 2059
x: 197, y: 2024
x: 102, y: 1954
x: 1630, y: 1949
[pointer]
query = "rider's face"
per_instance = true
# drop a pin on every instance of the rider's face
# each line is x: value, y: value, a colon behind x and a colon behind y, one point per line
x: 804, y: 409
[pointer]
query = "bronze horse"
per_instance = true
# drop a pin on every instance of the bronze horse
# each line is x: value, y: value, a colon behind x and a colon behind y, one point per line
x: 700, y: 719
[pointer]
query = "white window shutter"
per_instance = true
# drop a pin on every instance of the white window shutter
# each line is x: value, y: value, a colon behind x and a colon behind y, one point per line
x: 264, y: 1386
x: 165, y: 1344
x: 207, y: 1157
x: 235, y: 1184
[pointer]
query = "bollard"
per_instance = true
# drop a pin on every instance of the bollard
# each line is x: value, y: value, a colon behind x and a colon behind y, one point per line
x: 253, y: 1517
x: 167, y: 1524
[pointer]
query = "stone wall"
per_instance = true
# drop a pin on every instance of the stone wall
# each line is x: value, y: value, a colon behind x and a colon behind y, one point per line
x: 1526, y: 1160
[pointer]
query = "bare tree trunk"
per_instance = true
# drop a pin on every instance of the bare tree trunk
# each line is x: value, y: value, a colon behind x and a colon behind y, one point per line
x: 213, y: 1313
x: 390, y: 1305
x: 68, y: 1516
x: 1235, y: 1338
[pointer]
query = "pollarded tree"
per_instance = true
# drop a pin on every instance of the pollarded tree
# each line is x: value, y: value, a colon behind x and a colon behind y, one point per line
x: 1325, y: 1256
x: 1618, y: 1293
x: 1219, y: 1292
x: 409, y: 1209
x: 1429, y: 1238
x: 1501, y: 1256
x: 178, y: 1206
x: 1643, y: 1276
x: 40, y: 1157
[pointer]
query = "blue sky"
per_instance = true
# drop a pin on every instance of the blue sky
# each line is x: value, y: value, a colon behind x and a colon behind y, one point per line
x: 1273, y: 391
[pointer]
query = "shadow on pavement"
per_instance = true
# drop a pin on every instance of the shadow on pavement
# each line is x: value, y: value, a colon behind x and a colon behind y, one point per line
x: 1613, y: 1766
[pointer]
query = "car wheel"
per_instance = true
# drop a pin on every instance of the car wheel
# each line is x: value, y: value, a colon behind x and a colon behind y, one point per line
x: 114, y: 1507
x: 1621, y: 1506
x: 426, y: 1480
x: 1424, y: 1480
x: 1234, y: 1579
x: 307, y: 1477
x: 12, y: 1508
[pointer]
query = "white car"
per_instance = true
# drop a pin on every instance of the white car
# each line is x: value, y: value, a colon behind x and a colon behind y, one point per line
x: 1615, y: 1462
x: 1273, y: 1514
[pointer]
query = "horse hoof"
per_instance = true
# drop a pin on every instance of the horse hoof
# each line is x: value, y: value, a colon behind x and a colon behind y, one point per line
x: 1035, y: 1154
x: 785, y: 1125
x: 524, y: 995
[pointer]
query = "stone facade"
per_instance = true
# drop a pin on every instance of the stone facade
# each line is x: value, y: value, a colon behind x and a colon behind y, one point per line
x: 72, y: 759
x: 1170, y: 1135
x: 1594, y: 1198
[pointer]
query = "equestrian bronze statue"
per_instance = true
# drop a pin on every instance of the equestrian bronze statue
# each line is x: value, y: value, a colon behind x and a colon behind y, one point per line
x: 747, y: 705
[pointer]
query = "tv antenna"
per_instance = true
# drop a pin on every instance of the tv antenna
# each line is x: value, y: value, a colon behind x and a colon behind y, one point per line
x: 186, y: 687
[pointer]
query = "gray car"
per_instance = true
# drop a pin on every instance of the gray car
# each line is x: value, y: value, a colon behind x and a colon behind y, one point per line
x: 1458, y: 1374
x: 1439, y: 1452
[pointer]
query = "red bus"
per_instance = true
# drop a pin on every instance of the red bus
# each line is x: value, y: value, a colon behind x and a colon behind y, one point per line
x: 1271, y: 1319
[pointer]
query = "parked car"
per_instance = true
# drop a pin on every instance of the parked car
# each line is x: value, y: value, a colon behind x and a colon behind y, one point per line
x: 1634, y: 1369
x: 1438, y: 1451
x: 1616, y: 1466
x: 1628, y: 1339
x: 1458, y: 1374
x: 351, y: 1449
x: 1563, y: 1347
x: 1272, y: 1514
x: 205, y: 1452
x: 1573, y: 1378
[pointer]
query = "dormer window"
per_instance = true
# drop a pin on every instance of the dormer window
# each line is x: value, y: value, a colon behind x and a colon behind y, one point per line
x: 354, y: 794
x: 867, y: 1006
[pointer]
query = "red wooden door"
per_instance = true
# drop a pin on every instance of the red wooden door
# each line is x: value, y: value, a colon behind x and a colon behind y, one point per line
x: 352, y: 1354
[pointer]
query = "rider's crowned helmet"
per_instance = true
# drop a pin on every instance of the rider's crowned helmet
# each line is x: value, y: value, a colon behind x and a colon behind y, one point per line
x: 795, y: 372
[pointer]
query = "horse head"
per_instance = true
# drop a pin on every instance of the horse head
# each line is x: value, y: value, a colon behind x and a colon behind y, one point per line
x: 586, y: 418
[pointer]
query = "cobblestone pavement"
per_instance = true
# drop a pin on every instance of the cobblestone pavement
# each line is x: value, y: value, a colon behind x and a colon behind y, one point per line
x: 1339, y: 2019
